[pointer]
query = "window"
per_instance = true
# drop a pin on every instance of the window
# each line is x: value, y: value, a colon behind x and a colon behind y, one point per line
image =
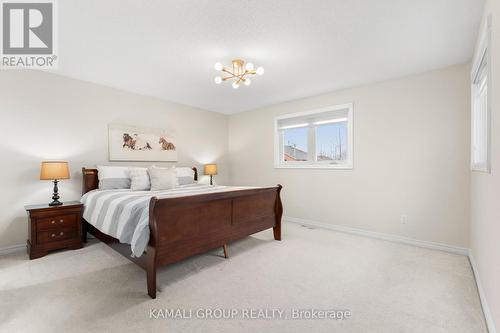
x: 295, y: 141
x: 315, y: 139
x: 480, y: 120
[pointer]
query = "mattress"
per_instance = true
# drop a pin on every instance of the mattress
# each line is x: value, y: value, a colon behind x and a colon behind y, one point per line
x: 124, y: 214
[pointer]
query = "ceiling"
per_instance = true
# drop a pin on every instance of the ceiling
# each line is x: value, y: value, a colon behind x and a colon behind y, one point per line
x: 167, y: 49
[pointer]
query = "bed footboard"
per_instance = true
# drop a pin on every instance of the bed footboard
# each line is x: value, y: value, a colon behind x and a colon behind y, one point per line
x: 185, y: 226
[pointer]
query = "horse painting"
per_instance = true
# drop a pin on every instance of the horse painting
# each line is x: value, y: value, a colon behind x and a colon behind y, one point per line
x: 165, y: 145
x: 128, y: 141
x: 134, y: 142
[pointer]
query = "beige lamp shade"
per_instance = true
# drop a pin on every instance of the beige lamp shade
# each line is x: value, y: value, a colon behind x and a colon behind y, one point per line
x: 210, y: 169
x: 54, y: 170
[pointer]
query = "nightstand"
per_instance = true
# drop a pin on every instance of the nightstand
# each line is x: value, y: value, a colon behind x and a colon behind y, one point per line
x: 54, y: 228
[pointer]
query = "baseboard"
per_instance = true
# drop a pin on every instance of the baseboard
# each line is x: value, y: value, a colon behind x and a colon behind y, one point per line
x: 12, y: 249
x: 484, y: 304
x: 388, y: 237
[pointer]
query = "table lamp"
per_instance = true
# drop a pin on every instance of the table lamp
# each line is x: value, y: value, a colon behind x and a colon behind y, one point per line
x: 54, y: 171
x: 210, y: 170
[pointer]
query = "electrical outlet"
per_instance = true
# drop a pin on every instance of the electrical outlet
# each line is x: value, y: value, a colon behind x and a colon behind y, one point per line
x: 404, y: 219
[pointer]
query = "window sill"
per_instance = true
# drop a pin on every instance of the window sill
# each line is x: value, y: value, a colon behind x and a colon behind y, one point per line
x: 481, y: 170
x: 316, y: 166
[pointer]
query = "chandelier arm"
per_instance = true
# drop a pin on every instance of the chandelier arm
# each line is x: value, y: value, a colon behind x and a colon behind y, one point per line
x: 232, y: 76
x: 225, y: 70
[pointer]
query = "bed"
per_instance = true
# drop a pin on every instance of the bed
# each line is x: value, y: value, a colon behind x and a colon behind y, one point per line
x: 176, y: 225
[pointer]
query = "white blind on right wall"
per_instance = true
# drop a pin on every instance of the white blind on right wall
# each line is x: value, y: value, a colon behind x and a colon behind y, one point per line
x: 480, y: 118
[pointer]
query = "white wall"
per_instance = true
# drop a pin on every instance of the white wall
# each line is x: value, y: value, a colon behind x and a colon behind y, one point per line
x: 411, y: 139
x: 485, y: 188
x: 409, y: 155
x: 45, y: 116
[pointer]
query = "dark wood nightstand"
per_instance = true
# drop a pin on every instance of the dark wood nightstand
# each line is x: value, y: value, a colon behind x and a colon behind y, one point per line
x: 54, y: 228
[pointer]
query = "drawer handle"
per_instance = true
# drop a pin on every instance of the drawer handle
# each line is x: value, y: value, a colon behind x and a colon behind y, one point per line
x: 61, y: 233
x: 53, y: 222
x: 53, y: 235
x: 61, y: 221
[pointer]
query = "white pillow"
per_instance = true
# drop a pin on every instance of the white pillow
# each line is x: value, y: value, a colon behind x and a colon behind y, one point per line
x: 185, y: 176
x: 162, y: 178
x: 113, y: 177
x: 139, y: 179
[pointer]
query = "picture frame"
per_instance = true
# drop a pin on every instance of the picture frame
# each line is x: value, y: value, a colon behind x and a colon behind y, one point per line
x: 131, y: 143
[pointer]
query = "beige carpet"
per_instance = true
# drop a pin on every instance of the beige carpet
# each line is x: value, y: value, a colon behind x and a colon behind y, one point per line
x: 387, y: 287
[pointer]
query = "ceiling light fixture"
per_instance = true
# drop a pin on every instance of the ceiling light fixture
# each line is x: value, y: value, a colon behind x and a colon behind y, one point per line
x: 239, y: 72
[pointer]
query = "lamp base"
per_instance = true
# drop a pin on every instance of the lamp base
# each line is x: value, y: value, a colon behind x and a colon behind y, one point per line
x: 55, y: 196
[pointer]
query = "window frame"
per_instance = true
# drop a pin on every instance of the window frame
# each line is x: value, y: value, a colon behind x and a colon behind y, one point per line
x: 311, y: 142
x: 483, y: 53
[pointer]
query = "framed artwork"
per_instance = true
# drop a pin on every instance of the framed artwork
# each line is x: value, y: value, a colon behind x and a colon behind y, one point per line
x: 129, y: 143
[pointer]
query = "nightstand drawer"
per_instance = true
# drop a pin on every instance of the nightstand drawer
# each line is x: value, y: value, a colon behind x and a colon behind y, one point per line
x: 56, y: 235
x: 56, y: 222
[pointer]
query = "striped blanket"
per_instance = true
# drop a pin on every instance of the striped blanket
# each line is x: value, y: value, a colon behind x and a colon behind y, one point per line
x: 124, y: 214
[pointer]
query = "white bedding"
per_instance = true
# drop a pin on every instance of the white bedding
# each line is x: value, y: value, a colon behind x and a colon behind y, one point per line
x: 124, y: 214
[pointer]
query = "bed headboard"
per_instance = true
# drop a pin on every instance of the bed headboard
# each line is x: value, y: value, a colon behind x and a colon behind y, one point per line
x: 91, y: 181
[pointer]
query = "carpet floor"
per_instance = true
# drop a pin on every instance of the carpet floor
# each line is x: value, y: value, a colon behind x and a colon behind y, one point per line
x: 385, y: 287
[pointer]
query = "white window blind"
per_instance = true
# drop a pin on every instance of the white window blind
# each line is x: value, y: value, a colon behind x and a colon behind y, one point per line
x: 480, y: 120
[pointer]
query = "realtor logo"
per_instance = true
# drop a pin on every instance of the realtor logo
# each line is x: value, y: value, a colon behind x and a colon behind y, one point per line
x: 28, y: 34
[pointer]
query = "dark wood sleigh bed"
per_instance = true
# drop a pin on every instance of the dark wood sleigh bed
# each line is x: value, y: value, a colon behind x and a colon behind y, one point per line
x: 181, y: 227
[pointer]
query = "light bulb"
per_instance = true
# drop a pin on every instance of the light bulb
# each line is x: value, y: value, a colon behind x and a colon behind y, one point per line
x: 218, y: 80
x: 218, y: 66
x: 236, y: 85
x: 260, y: 71
x: 249, y: 66
x: 247, y: 82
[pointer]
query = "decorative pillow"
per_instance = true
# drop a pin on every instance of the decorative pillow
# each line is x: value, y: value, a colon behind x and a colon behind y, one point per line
x: 162, y: 178
x: 139, y: 179
x: 113, y: 177
x: 185, y: 176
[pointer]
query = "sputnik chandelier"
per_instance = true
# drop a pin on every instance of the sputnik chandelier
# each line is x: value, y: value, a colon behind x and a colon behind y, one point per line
x: 239, y: 73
